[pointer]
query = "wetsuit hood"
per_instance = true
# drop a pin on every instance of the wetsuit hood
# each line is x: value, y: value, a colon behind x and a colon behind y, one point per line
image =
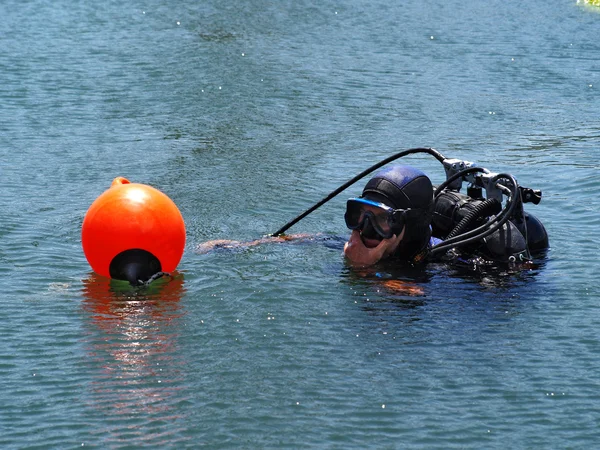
x: 403, y: 187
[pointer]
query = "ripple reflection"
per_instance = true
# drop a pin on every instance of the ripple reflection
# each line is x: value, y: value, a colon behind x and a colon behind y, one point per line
x: 132, y: 343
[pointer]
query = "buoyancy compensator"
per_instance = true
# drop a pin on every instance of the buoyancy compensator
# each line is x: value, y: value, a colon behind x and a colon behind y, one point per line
x: 516, y: 233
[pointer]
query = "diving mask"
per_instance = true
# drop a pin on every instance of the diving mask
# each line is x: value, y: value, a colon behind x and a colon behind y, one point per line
x: 362, y: 214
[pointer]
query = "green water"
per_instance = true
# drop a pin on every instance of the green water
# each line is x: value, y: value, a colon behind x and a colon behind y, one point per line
x: 245, y: 114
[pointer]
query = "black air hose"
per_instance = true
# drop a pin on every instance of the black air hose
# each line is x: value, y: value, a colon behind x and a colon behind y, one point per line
x: 484, y: 209
x: 437, y: 155
x: 491, y: 225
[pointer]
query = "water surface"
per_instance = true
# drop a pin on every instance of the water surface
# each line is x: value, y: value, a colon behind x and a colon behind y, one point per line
x: 246, y: 114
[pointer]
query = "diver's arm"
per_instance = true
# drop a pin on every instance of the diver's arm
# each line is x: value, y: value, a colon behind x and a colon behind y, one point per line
x: 208, y: 246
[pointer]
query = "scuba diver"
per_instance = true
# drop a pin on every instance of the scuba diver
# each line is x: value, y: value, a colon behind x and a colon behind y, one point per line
x: 398, y: 216
x: 392, y: 218
x: 401, y: 216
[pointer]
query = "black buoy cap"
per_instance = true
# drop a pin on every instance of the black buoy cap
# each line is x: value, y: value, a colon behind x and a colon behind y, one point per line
x: 136, y: 266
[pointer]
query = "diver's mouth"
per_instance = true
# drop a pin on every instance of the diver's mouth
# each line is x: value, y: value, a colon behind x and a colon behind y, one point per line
x: 370, y: 242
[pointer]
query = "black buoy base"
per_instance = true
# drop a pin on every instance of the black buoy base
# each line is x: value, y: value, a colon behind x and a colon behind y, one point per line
x: 136, y: 266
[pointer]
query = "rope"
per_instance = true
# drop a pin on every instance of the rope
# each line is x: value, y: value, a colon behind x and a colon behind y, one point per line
x: 154, y: 277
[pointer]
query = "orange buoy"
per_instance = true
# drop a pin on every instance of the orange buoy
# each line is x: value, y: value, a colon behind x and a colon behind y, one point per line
x: 133, y: 231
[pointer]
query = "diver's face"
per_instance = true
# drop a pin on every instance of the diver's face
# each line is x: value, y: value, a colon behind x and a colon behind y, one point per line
x: 373, y: 225
x: 363, y: 252
x: 371, y: 220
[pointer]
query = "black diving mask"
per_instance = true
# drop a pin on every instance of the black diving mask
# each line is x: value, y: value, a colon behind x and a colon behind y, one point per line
x: 367, y: 216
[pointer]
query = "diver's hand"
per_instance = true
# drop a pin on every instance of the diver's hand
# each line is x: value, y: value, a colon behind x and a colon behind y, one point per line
x: 359, y: 255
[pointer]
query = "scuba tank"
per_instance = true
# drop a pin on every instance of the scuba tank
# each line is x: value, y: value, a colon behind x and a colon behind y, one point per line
x: 456, y: 213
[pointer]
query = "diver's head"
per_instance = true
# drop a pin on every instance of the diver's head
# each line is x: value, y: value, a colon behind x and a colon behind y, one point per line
x: 396, y: 200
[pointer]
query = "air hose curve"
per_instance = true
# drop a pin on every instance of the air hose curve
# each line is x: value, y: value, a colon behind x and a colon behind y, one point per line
x: 484, y: 209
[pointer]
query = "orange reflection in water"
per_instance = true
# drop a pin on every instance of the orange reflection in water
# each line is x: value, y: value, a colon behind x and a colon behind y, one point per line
x: 132, y: 339
x: 395, y: 286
